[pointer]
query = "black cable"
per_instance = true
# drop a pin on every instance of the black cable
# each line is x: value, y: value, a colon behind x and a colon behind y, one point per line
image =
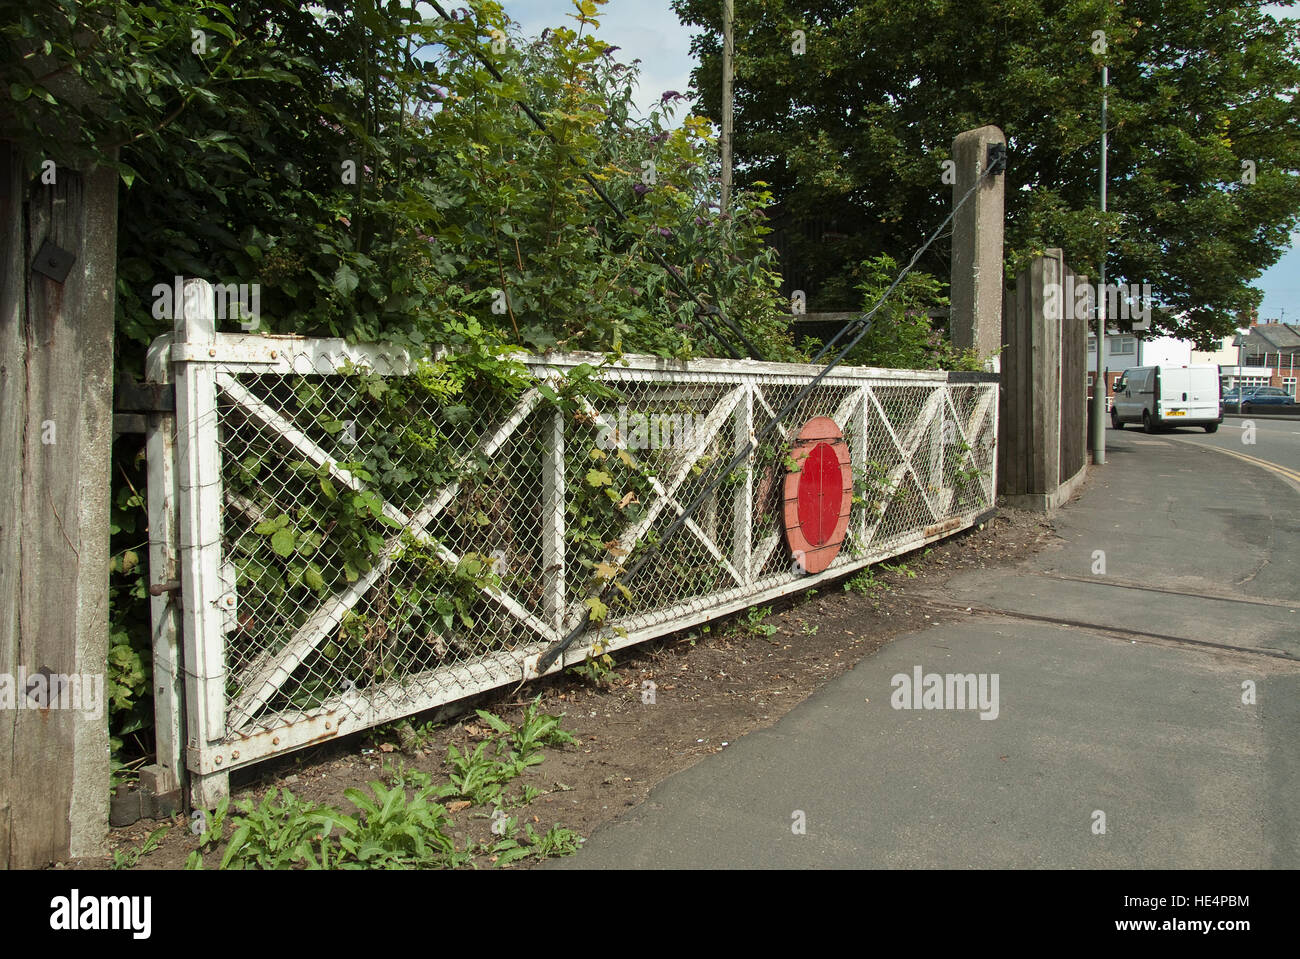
x: 557, y: 649
x: 622, y: 217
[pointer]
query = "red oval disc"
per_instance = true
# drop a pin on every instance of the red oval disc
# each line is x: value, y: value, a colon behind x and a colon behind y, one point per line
x: 818, y: 494
x: 821, y: 493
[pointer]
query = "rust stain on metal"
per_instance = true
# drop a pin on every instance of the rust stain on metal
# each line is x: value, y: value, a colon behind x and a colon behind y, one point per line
x: 943, y: 527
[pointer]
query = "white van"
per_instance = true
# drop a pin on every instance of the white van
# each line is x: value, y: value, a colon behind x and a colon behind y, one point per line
x: 1164, y: 396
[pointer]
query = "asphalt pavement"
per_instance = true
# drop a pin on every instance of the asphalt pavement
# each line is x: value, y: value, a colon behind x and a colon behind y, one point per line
x: 1272, y: 440
x: 1145, y: 712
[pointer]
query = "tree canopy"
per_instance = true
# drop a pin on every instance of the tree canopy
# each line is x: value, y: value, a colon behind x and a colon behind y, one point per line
x: 851, y: 134
x: 359, y: 163
x: 362, y: 167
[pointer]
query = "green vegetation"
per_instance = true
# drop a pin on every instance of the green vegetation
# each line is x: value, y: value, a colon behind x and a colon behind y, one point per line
x: 851, y: 134
x: 754, y: 624
x: 358, y: 165
x: 404, y: 823
x: 864, y: 582
x: 131, y: 857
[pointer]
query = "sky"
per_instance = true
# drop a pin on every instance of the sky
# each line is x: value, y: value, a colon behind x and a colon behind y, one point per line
x: 649, y: 30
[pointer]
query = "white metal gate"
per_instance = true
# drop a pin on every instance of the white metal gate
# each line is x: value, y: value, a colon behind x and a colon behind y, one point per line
x: 283, y: 633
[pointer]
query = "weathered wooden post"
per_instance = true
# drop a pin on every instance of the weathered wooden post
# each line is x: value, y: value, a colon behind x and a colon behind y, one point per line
x: 58, y: 253
x: 161, y: 781
x: 1041, y: 452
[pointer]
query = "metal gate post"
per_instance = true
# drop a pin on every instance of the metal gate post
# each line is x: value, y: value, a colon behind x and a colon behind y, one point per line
x: 553, y: 513
x: 199, y: 485
x: 743, y: 505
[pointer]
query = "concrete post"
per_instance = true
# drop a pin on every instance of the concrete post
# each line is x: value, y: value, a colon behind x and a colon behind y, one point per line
x: 977, y: 248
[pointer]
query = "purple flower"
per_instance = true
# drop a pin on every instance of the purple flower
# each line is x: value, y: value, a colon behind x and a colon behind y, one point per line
x: 659, y: 137
x: 640, y: 189
x: 700, y: 221
x: 664, y: 231
x: 609, y: 50
x: 671, y: 95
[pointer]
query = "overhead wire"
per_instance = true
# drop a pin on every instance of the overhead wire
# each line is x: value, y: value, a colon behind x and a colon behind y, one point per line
x: 864, y: 321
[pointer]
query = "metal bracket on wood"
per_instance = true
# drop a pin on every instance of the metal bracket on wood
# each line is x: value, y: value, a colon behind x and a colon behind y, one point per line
x: 53, y: 261
x: 132, y: 397
x: 132, y: 400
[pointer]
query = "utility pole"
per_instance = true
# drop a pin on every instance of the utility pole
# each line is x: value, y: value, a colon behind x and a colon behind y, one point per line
x: 728, y: 56
x: 1241, y: 383
x: 1098, y: 418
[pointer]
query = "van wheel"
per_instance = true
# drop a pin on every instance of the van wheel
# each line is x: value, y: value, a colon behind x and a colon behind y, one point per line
x: 1147, y: 425
x: 1115, y: 424
x: 1211, y: 427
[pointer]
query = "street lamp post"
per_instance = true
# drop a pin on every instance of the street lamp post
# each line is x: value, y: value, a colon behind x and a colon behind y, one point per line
x: 1098, y: 424
x: 1241, y: 370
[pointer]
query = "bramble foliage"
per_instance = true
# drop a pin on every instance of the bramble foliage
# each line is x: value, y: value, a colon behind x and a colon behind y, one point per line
x: 901, y: 334
x: 376, y: 182
x: 357, y: 163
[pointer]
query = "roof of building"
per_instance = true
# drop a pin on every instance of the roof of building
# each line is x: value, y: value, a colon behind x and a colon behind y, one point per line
x: 1274, y: 337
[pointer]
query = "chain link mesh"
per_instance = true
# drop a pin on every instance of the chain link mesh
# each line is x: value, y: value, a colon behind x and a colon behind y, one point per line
x: 385, y: 545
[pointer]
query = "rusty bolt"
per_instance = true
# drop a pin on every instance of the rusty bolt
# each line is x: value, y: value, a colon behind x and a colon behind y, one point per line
x: 275, y: 741
x: 274, y: 354
x: 235, y: 754
x: 218, y: 760
x: 212, y: 352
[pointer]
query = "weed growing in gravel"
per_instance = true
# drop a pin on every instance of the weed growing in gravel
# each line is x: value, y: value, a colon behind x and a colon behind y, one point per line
x: 391, y: 827
x: 129, y: 858
x: 394, y: 832
x: 865, y: 582
x: 597, y: 668
x: 557, y: 841
x: 753, y: 623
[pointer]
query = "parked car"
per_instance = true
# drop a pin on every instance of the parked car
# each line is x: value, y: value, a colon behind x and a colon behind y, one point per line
x: 1164, y: 396
x: 1266, y: 399
x: 1234, y: 396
